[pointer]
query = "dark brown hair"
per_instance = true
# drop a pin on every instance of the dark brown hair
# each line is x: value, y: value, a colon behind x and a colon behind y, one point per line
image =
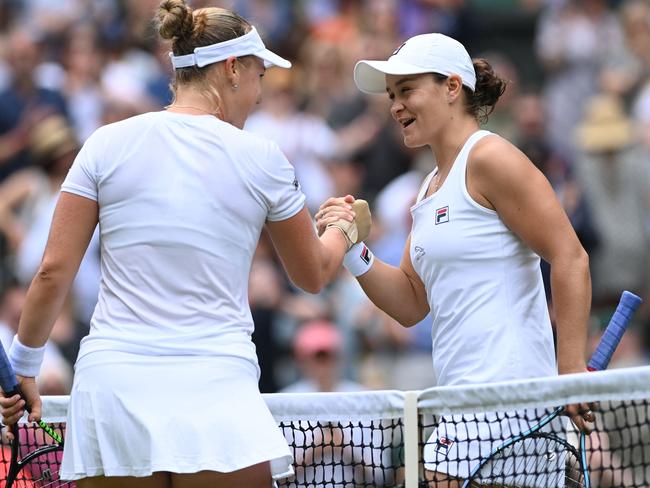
x: 487, y: 91
x: 189, y: 29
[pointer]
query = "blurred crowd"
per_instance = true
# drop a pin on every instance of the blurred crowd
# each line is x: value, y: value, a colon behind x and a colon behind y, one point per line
x: 577, y: 104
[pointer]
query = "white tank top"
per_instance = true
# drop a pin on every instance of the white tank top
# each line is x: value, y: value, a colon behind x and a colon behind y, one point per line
x: 484, y: 286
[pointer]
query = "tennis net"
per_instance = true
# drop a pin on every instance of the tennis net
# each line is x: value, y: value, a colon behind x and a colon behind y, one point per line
x: 402, y: 439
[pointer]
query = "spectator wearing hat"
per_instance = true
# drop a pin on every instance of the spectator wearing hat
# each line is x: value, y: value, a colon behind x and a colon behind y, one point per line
x: 26, y: 194
x: 612, y: 167
x: 317, y: 350
x: 27, y: 200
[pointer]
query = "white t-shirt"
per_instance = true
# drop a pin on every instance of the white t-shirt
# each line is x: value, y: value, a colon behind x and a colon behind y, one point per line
x: 182, y: 201
x: 484, y: 287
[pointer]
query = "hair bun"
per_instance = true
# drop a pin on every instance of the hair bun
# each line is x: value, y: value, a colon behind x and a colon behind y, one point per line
x: 175, y: 20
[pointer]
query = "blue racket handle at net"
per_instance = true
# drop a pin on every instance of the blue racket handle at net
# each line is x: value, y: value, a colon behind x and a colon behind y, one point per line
x: 8, y: 380
x: 614, y: 331
x: 10, y: 387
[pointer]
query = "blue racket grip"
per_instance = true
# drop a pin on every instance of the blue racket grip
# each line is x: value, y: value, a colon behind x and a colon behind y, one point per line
x: 8, y: 380
x: 614, y: 331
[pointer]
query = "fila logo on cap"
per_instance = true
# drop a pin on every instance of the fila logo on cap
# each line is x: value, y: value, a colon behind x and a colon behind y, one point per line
x: 442, y: 215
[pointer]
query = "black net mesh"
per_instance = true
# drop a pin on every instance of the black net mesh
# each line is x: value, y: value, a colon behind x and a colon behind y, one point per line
x: 507, y: 449
x: 345, y: 454
x: 370, y: 453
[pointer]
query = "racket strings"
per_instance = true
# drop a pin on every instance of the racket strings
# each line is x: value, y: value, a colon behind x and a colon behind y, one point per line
x: 40, y: 458
x: 537, y: 462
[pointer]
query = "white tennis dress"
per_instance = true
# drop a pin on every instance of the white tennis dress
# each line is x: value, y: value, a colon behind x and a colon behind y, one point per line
x: 167, y: 378
x: 485, y: 290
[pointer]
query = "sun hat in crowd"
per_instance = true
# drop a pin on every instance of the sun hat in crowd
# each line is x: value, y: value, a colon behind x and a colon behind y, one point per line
x: 249, y: 44
x: 317, y: 336
x: 605, y: 126
x: 51, y: 138
x: 425, y: 53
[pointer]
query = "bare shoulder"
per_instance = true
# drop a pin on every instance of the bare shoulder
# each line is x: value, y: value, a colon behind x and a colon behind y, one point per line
x: 496, y: 154
x: 495, y: 167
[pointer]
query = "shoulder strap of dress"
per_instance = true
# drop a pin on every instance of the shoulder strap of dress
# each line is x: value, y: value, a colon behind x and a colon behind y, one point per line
x: 425, y: 185
x: 473, y: 139
x: 469, y: 144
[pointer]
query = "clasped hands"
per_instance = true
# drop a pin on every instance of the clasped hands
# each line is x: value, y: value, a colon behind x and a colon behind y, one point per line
x: 349, y: 215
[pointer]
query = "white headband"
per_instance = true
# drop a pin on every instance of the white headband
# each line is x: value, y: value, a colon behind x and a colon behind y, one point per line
x: 249, y: 43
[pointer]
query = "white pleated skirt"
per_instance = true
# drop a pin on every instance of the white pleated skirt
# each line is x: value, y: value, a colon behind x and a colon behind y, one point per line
x: 133, y: 415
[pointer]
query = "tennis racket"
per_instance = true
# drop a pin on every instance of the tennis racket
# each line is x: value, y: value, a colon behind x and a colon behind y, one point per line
x: 534, y: 453
x: 36, y: 449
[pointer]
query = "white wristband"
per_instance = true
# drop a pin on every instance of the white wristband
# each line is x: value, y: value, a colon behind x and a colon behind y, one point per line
x: 358, y: 260
x: 25, y: 360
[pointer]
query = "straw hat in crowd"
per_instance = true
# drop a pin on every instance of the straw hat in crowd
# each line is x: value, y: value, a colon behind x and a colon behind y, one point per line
x: 52, y: 138
x: 605, y: 126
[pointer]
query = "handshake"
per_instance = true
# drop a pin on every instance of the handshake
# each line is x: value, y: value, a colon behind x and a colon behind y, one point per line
x: 335, y: 212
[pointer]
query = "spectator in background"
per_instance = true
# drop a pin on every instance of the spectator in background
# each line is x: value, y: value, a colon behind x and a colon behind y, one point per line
x: 23, y: 103
x: 304, y: 138
x: 27, y: 193
x: 57, y: 371
x: 317, y: 350
x: 27, y: 200
x: 613, y: 170
x: 575, y: 40
x: 530, y: 118
x: 82, y: 60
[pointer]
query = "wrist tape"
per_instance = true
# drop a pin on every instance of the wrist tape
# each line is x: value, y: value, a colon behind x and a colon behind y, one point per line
x: 25, y: 360
x: 358, y: 260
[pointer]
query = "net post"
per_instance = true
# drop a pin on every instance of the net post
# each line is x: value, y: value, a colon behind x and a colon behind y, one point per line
x: 411, y: 440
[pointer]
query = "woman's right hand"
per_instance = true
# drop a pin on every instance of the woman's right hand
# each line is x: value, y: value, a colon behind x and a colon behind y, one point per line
x: 333, y: 210
x: 12, y: 408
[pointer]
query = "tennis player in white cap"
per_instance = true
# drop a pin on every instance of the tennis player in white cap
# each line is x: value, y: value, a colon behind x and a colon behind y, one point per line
x: 481, y: 222
x: 165, y: 391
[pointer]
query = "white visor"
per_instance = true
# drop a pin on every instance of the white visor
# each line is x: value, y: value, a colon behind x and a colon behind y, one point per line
x: 425, y: 53
x: 246, y: 45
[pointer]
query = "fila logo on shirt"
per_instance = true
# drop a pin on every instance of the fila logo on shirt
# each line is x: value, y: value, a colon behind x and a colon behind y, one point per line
x: 442, y: 215
x: 443, y: 444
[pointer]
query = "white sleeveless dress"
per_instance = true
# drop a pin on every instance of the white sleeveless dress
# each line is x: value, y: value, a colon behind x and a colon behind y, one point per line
x: 490, y: 317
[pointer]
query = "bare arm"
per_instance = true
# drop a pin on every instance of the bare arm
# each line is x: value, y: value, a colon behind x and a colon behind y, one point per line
x: 73, y: 224
x: 501, y: 177
x: 311, y: 262
x: 397, y: 291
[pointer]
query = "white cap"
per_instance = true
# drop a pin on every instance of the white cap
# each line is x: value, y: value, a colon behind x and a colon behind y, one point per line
x: 426, y: 53
x: 249, y: 44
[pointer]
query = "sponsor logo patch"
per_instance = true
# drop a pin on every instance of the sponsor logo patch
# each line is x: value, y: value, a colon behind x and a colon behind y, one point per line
x: 419, y: 252
x: 443, y: 444
x: 442, y: 215
x: 365, y: 255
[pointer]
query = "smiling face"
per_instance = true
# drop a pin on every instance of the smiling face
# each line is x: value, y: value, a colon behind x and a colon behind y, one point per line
x: 419, y: 104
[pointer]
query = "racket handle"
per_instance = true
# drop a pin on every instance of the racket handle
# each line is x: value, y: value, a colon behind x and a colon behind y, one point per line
x: 614, y: 331
x: 8, y: 380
